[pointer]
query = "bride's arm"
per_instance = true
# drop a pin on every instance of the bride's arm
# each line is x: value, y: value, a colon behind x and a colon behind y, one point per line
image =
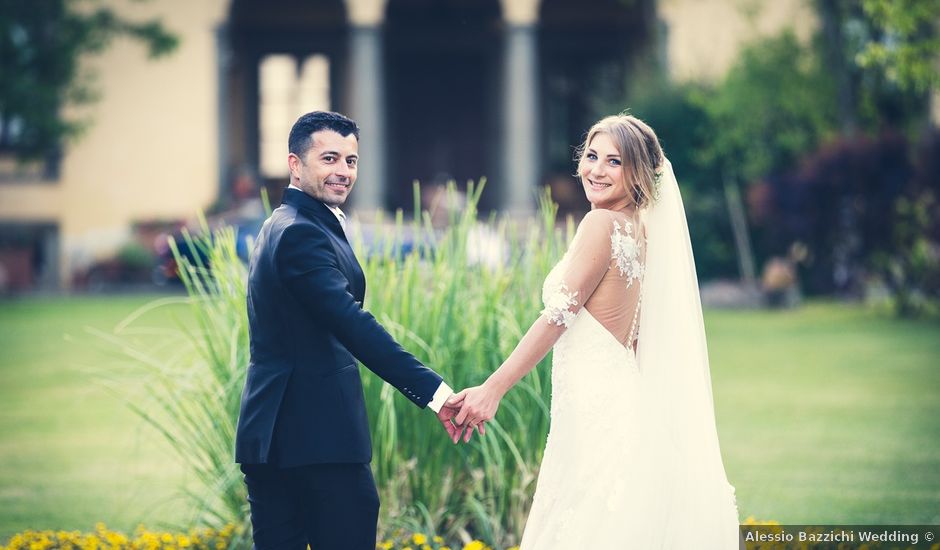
x: 479, y: 403
x: 588, y: 260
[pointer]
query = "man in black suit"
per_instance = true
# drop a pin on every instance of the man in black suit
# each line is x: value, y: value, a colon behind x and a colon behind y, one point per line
x: 303, y: 437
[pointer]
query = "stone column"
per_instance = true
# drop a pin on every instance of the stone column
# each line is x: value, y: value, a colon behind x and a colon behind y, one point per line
x: 367, y: 101
x: 223, y: 63
x: 520, y: 164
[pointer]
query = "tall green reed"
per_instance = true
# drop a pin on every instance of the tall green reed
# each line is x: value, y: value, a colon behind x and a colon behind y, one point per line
x: 460, y: 316
x: 188, y: 381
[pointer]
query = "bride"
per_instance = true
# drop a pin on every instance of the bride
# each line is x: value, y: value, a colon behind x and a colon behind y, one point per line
x: 632, y: 457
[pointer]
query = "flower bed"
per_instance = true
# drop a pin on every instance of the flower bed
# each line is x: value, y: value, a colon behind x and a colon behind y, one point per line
x: 103, y: 538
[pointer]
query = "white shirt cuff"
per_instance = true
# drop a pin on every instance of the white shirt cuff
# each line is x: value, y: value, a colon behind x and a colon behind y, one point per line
x: 441, y: 396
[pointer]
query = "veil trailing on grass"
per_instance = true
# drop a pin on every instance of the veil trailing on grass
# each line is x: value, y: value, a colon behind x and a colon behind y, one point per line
x: 696, y: 499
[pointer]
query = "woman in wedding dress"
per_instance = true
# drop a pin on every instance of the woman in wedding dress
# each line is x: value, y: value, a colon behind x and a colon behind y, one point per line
x: 632, y: 457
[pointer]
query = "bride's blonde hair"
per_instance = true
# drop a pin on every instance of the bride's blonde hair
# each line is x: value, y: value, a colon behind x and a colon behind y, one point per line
x: 639, y: 148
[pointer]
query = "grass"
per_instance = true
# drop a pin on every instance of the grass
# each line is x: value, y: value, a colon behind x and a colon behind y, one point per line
x: 826, y: 414
x: 829, y: 414
x: 72, y: 453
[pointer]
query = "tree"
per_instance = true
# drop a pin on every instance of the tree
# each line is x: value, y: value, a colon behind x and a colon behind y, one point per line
x: 683, y: 127
x: 884, y: 56
x: 865, y: 210
x: 41, y: 46
x: 904, y: 43
x: 775, y: 104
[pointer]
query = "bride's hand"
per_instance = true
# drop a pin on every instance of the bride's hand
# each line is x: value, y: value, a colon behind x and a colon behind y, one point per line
x: 478, y: 405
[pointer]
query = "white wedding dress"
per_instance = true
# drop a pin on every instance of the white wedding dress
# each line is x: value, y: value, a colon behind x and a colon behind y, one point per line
x: 632, y: 459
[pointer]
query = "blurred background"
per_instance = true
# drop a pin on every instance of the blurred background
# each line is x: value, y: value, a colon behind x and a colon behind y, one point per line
x: 804, y: 135
x: 803, y: 131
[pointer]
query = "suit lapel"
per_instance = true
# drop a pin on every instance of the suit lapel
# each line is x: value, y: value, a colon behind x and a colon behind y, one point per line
x: 320, y: 214
x: 314, y: 210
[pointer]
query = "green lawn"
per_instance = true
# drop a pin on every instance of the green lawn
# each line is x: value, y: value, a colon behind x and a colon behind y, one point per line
x: 829, y: 414
x: 73, y: 454
x: 826, y: 414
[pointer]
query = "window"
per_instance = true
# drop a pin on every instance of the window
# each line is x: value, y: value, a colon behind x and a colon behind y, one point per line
x: 13, y: 166
x: 284, y: 96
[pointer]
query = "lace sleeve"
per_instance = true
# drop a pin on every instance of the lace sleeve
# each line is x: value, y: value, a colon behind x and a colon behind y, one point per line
x: 560, y: 304
x: 625, y: 250
x: 585, y: 263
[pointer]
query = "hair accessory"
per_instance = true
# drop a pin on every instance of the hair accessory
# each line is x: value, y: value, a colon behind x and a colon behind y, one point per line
x: 657, y: 183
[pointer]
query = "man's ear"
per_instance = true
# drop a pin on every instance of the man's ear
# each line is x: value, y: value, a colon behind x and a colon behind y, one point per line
x: 294, y: 163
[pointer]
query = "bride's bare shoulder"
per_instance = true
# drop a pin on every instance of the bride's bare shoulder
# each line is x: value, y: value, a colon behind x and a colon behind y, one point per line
x: 596, y: 226
x: 599, y: 218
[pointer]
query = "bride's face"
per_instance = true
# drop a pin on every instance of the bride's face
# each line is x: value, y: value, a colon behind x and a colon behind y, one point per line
x: 602, y: 174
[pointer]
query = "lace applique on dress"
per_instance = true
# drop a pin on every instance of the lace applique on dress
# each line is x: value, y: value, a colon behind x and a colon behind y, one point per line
x: 558, y: 304
x: 625, y: 249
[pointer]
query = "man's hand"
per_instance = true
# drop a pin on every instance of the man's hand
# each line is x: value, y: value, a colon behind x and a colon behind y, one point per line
x: 446, y: 416
x: 477, y: 405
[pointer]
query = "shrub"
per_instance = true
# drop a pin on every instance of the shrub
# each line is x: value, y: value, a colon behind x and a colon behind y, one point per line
x: 460, y: 316
x: 866, y: 209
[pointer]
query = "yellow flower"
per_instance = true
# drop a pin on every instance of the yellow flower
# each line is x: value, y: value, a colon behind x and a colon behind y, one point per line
x: 419, y: 538
x: 104, y: 539
x: 438, y: 539
x: 474, y: 545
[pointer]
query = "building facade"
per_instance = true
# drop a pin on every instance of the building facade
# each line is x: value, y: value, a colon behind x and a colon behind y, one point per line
x: 443, y: 89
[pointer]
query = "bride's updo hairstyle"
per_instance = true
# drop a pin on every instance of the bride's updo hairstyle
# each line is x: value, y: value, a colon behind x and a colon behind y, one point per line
x: 639, y: 148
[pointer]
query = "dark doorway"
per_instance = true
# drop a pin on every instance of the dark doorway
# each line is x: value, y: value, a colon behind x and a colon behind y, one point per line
x: 29, y: 257
x: 257, y: 29
x: 442, y: 94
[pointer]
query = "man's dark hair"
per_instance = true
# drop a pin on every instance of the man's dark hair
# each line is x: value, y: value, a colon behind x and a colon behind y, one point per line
x: 301, y: 134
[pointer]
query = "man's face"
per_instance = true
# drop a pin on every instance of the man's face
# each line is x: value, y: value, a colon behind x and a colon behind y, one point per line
x: 328, y: 170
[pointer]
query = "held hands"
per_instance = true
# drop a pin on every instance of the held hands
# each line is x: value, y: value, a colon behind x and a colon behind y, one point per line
x: 477, y: 405
x: 446, y: 415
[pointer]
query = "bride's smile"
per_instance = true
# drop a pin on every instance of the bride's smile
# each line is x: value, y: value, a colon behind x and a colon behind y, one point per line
x: 602, y: 175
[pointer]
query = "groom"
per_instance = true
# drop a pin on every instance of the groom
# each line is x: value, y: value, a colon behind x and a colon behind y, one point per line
x: 303, y: 436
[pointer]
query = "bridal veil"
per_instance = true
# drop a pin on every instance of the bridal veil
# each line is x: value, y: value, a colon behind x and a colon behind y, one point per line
x: 696, y: 500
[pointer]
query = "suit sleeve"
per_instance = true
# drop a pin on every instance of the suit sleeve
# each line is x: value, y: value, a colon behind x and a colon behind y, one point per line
x: 307, y: 265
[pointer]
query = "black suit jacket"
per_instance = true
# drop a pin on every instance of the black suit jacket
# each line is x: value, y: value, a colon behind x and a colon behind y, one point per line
x: 303, y: 401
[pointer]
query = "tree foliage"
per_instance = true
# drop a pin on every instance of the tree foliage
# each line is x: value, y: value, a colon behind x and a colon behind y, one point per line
x: 677, y: 113
x: 831, y: 142
x: 904, y: 44
x: 865, y: 209
x: 41, y: 46
x: 774, y: 105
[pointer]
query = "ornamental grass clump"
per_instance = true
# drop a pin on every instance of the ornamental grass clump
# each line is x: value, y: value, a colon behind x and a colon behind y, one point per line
x: 186, y: 383
x: 459, y: 297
